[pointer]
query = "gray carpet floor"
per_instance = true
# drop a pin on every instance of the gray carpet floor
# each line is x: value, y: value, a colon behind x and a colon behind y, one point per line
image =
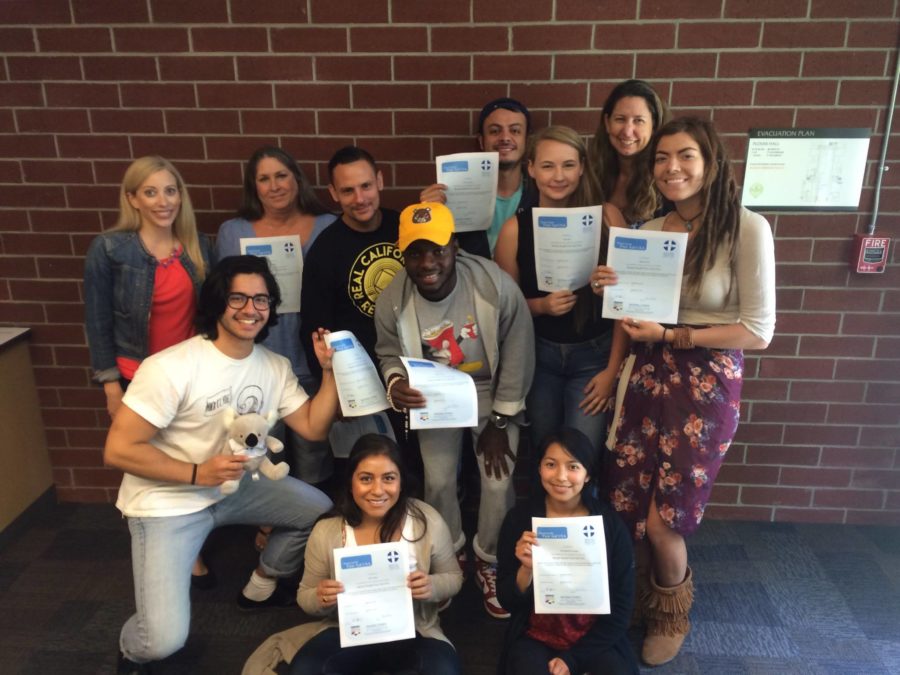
x: 771, y: 598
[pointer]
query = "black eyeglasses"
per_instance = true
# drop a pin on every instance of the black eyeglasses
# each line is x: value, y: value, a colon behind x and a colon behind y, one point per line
x: 239, y: 301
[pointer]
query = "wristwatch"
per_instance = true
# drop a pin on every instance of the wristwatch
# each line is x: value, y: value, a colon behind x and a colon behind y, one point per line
x: 499, y: 421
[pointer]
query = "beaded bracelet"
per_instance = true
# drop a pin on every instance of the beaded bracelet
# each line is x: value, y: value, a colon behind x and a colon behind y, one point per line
x: 684, y: 337
x: 390, y: 386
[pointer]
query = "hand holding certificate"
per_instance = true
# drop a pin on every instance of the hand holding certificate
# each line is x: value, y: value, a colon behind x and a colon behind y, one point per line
x: 649, y: 265
x: 566, y: 246
x: 569, y: 566
x: 471, y: 180
x: 359, y: 388
x: 451, y: 400
x: 376, y: 605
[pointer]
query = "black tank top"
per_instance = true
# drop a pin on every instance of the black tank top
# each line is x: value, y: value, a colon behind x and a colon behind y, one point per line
x: 560, y: 329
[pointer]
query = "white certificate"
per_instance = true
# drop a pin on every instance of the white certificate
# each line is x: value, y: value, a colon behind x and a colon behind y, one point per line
x: 376, y: 605
x: 286, y: 262
x: 566, y: 246
x: 471, y: 180
x: 359, y: 388
x: 569, y: 565
x: 649, y: 265
x: 450, y: 395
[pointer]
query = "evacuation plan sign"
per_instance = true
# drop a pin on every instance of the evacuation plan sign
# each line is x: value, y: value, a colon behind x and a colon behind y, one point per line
x: 805, y: 169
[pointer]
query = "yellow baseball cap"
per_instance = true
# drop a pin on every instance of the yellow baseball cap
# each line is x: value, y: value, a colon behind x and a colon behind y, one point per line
x: 431, y: 221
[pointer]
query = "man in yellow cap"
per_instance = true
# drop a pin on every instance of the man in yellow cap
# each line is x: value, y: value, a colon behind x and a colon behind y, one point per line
x: 463, y: 311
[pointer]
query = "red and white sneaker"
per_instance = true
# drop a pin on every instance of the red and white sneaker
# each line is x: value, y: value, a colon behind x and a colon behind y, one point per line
x: 486, y: 576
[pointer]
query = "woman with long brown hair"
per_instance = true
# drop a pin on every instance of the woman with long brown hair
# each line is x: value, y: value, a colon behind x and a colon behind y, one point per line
x: 631, y: 113
x: 279, y: 201
x: 374, y: 505
x: 681, y: 403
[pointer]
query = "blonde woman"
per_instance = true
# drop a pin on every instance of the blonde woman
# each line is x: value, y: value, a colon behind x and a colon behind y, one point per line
x: 576, y: 355
x: 141, y: 278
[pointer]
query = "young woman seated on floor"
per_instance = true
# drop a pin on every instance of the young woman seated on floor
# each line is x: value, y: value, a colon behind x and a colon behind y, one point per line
x: 373, y: 506
x: 564, y: 644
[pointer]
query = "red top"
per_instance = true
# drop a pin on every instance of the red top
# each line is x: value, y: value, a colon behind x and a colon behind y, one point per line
x: 171, y: 311
x: 559, y: 631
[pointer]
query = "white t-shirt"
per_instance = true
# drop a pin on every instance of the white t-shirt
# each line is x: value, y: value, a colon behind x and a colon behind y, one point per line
x: 409, y: 533
x: 183, y: 391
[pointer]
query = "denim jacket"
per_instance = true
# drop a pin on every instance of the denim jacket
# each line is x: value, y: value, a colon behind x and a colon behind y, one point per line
x: 119, y: 275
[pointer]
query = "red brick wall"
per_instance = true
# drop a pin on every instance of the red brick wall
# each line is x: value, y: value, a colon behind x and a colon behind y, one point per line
x: 87, y: 85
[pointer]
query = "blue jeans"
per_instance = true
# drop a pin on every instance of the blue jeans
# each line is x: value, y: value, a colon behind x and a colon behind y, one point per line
x: 323, y: 655
x: 560, y: 375
x: 164, y: 548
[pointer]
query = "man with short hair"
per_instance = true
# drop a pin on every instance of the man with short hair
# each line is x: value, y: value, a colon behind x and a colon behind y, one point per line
x: 503, y: 127
x: 351, y: 262
x: 169, y: 436
x: 356, y: 257
x: 463, y: 311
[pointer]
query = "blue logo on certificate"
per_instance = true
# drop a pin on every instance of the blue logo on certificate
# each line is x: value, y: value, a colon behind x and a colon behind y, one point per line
x: 342, y: 344
x: 669, y: 248
x: 421, y: 364
x: 356, y: 561
x: 393, y: 556
x: 455, y: 166
x: 552, y: 533
x: 289, y: 247
x: 552, y: 221
x: 486, y: 165
x: 631, y: 244
x: 588, y: 531
x: 259, y: 249
x: 587, y: 220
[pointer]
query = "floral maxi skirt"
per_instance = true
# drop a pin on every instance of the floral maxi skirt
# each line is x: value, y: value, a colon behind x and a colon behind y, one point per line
x: 678, y: 417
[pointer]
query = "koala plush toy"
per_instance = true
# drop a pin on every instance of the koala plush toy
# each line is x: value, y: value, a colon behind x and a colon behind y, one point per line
x: 248, y: 435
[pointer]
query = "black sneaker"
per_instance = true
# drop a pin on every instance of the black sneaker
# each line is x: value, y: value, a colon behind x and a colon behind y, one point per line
x: 128, y: 667
x: 282, y: 598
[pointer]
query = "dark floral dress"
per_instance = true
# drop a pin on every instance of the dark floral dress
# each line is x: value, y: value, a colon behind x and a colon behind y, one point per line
x: 678, y: 418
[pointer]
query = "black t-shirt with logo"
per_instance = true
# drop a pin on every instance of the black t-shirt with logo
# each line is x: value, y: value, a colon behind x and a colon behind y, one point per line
x: 343, y: 274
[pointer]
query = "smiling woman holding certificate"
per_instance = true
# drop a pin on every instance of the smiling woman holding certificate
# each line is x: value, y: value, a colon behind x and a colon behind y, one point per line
x: 682, y: 395
x: 279, y: 202
x: 564, y: 644
x: 576, y: 356
x: 374, y: 507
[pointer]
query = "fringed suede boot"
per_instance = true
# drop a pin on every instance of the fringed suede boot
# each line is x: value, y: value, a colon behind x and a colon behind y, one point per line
x: 666, y: 613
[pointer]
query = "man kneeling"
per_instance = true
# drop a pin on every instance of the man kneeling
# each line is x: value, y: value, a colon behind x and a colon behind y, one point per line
x: 168, y: 439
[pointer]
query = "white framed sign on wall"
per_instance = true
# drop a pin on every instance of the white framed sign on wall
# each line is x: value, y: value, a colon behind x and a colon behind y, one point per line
x: 805, y: 169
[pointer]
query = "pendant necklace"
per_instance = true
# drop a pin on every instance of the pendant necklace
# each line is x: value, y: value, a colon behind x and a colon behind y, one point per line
x: 688, y: 223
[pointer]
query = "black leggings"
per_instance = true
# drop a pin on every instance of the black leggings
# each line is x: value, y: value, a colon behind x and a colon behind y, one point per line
x: 530, y: 657
x: 323, y: 655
